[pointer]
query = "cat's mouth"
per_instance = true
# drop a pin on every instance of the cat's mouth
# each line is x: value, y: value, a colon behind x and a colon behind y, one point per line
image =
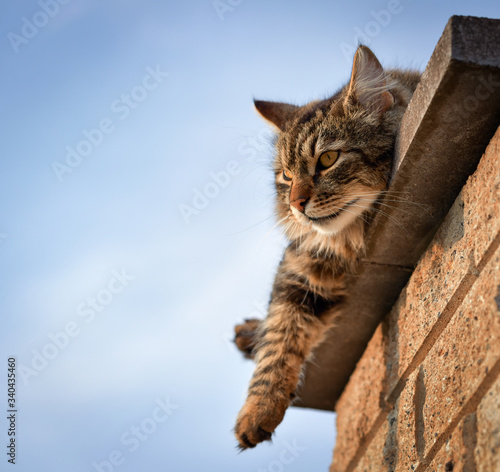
x: 334, y: 214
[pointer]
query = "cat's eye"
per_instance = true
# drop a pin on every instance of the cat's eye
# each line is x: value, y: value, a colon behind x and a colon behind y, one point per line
x: 327, y: 159
x: 287, y: 176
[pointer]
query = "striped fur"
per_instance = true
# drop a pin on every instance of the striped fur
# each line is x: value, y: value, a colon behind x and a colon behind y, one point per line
x: 326, y: 234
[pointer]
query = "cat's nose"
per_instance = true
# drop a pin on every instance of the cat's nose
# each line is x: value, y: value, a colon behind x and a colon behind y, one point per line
x: 299, y: 203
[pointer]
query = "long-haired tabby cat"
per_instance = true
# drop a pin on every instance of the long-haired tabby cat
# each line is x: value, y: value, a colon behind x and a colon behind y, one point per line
x: 332, y: 164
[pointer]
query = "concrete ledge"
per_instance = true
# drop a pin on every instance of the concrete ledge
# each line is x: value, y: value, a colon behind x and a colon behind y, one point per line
x: 450, y: 120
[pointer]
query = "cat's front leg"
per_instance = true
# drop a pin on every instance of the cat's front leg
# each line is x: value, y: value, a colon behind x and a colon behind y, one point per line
x: 288, y: 335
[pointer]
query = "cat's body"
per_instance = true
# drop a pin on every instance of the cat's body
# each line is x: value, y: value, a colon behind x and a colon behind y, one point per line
x: 333, y: 159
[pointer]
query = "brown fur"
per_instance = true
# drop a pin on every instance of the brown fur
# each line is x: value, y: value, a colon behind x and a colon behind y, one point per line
x: 326, y: 234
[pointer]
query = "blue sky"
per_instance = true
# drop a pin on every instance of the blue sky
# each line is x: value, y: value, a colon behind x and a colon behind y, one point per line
x: 118, y: 306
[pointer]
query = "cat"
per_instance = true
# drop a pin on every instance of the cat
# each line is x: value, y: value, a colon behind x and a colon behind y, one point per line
x: 332, y: 165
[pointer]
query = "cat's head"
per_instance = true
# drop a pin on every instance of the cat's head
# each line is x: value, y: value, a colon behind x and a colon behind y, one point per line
x: 333, y: 157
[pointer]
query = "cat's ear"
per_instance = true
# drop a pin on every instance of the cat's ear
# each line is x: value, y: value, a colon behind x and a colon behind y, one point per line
x: 275, y: 112
x: 368, y: 85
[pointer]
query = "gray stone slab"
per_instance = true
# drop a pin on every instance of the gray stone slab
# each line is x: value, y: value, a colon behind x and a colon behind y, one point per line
x: 452, y: 116
x: 335, y: 360
x: 445, y: 130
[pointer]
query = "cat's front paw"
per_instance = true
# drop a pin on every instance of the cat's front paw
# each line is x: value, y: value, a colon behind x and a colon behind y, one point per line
x: 245, y: 337
x: 258, y: 419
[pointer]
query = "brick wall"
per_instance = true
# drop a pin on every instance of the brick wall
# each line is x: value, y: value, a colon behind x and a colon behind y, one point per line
x: 426, y: 393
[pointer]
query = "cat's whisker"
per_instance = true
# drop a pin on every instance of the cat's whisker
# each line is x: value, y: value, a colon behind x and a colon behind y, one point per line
x: 389, y: 217
x: 395, y: 197
x: 361, y: 216
x: 275, y: 226
x: 380, y: 192
x: 252, y: 226
x: 287, y: 227
x: 422, y: 206
x: 393, y: 207
x: 383, y: 200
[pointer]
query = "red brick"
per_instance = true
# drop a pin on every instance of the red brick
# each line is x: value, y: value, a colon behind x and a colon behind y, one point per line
x: 359, y: 405
x: 456, y: 249
x: 474, y: 445
x: 374, y: 459
x: 457, y: 453
x: 394, y: 446
x: 487, y: 451
x: 406, y: 429
x: 466, y: 350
